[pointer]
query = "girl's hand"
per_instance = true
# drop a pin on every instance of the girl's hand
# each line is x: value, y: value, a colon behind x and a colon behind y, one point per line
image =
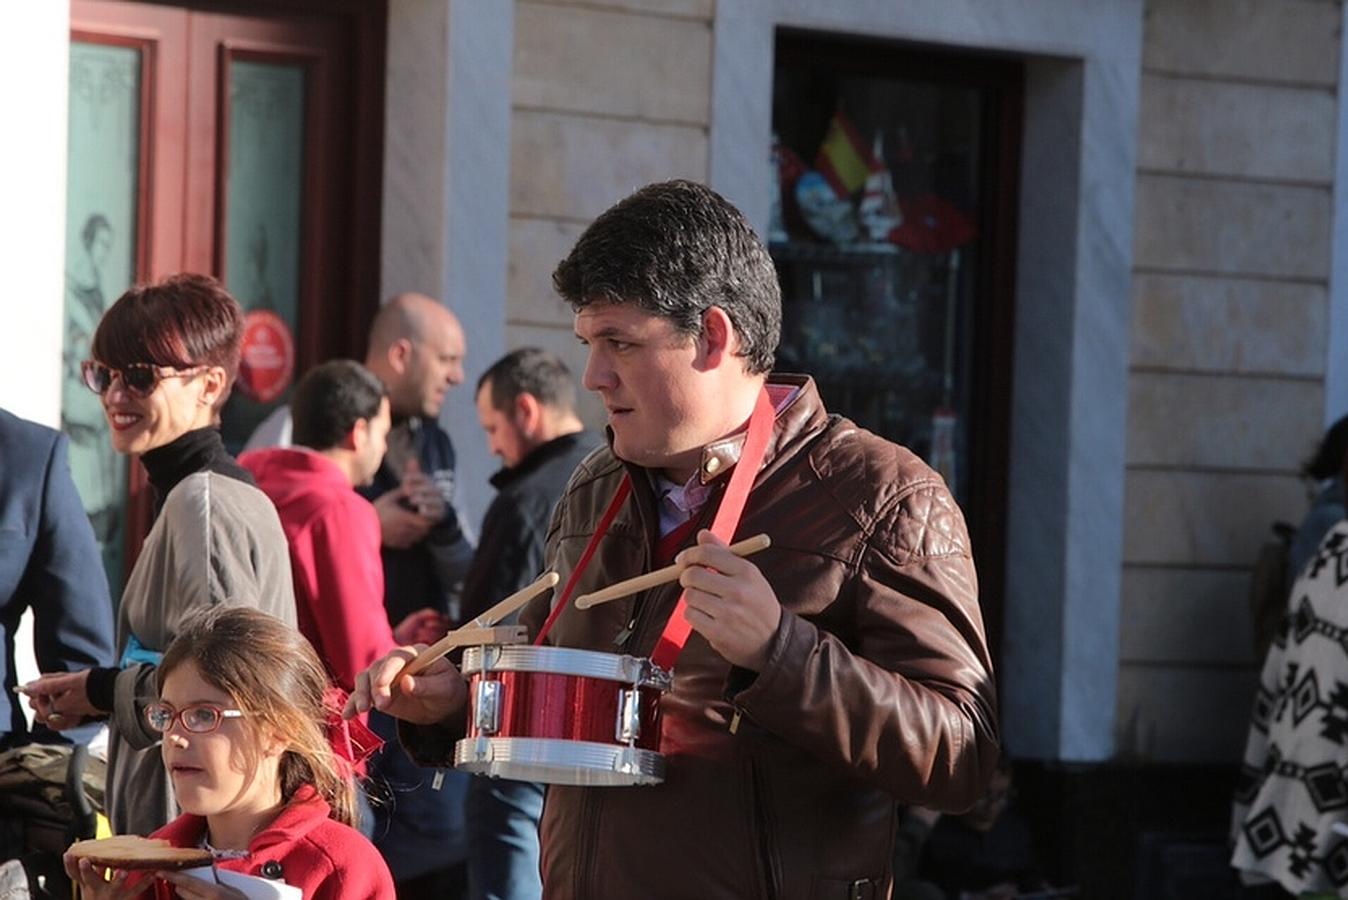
x: 123, y: 886
x: 190, y: 888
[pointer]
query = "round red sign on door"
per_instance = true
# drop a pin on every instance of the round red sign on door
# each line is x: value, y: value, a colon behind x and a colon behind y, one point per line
x: 268, y: 358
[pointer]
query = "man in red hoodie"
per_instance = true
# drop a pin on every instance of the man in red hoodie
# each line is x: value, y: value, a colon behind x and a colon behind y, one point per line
x: 341, y: 420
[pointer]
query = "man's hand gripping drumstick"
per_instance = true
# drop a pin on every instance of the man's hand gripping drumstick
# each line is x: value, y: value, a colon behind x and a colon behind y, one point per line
x: 730, y: 603
x: 417, y: 684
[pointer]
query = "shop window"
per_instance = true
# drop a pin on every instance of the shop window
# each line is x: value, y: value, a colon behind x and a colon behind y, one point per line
x: 892, y: 229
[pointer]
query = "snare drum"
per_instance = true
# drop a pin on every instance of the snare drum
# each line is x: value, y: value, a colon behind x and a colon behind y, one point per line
x: 562, y: 716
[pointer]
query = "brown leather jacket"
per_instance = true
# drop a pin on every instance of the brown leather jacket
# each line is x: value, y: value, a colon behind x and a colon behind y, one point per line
x: 878, y: 688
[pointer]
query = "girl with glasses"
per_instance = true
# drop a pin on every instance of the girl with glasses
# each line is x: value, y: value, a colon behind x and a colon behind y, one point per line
x: 162, y: 362
x: 243, y: 717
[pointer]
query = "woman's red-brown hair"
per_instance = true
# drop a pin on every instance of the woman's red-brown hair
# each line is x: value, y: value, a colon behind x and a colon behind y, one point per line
x: 273, y: 674
x: 183, y: 321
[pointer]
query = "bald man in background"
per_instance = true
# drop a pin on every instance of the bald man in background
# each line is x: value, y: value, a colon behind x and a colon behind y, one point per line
x: 416, y: 348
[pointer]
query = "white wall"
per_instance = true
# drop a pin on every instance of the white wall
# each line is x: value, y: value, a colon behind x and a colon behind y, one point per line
x: 446, y: 171
x: 33, y: 73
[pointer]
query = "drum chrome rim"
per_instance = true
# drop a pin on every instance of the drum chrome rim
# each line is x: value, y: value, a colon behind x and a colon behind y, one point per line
x: 565, y: 661
x: 556, y: 761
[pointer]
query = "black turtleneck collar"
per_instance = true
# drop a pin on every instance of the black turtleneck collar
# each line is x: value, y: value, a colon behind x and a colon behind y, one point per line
x: 201, y: 450
x: 536, y: 457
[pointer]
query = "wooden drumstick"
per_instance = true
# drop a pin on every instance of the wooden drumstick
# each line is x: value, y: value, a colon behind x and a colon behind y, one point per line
x: 746, y: 547
x: 480, y: 630
x: 516, y: 600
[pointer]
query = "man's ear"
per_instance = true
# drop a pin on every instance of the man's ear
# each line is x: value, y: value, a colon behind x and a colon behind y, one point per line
x: 214, y: 382
x: 528, y: 413
x: 356, y: 437
x: 718, y: 340
x: 400, y: 355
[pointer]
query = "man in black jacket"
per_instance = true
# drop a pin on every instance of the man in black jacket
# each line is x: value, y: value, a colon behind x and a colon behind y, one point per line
x: 526, y: 404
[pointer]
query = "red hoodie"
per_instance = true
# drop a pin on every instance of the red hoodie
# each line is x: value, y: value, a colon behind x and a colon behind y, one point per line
x: 302, y: 847
x: 334, y: 557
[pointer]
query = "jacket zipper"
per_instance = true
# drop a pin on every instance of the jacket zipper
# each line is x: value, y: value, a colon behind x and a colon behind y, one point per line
x: 762, y: 821
x: 636, y: 627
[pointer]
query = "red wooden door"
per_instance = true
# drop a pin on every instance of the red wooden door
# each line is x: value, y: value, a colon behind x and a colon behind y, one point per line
x: 248, y: 148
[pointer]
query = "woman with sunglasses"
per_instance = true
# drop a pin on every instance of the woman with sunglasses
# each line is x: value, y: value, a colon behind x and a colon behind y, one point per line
x: 244, y: 717
x: 164, y: 358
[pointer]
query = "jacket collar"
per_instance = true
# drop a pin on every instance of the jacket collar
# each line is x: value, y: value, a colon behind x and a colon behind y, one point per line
x: 538, y: 456
x: 199, y: 450
x: 305, y: 812
x: 800, y: 412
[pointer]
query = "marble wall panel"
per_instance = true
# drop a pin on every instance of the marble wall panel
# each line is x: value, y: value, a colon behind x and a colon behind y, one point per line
x: 1208, y: 226
x: 1229, y: 324
x: 1239, y: 129
x: 1185, y: 616
x: 612, y: 63
x: 575, y: 167
x: 1187, y: 517
x: 694, y: 9
x: 1222, y: 422
x: 536, y: 246
x: 1293, y: 41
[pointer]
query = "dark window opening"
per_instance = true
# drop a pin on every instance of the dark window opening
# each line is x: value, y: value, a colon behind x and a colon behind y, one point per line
x: 893, y: 231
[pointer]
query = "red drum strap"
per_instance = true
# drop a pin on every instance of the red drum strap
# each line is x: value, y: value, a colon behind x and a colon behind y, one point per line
x: 615, y: 504
x: 727, y: 519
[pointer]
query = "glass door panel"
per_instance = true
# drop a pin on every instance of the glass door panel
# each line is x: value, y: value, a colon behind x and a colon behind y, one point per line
x: 103, y: 169
x: 263, y: 229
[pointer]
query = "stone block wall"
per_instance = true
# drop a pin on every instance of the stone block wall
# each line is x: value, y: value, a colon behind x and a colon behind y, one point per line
x: 1236, y: 144
x: 606, y: 97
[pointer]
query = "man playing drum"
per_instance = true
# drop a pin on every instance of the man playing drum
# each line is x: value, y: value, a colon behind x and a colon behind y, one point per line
x: 830, y: 678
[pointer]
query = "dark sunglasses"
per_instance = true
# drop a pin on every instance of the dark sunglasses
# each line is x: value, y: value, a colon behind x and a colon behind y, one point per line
x: 138, y: 378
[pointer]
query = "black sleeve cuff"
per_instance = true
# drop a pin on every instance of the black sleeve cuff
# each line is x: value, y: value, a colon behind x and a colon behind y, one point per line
x: 431, y: 746
x: 102, y: 688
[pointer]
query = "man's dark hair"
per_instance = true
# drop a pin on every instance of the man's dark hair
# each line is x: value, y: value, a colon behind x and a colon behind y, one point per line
x: 530, y: 370
x: 1330, y: 457
x: 329, y: 399
x: 675, y: 249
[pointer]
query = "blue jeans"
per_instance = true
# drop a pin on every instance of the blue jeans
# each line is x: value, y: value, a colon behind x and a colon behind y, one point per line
x: 503, y: 839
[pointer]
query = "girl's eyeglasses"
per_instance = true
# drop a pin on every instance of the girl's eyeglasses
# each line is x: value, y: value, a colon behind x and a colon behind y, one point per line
x: 138, y: 378
x: 199, y: 718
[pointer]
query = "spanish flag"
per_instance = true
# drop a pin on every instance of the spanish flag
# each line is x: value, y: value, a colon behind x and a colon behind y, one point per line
x: 843, y: 158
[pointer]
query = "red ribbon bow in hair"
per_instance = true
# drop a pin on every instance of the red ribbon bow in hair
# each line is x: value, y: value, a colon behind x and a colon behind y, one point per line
x: 352, y: 741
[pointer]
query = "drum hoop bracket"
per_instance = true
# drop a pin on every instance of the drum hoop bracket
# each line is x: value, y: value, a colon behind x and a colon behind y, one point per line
x: 628, y: 727
x: 487, y: 706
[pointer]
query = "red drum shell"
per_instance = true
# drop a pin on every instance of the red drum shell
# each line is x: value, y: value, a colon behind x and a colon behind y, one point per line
x: 556, y: 717
x: 566, y: 707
